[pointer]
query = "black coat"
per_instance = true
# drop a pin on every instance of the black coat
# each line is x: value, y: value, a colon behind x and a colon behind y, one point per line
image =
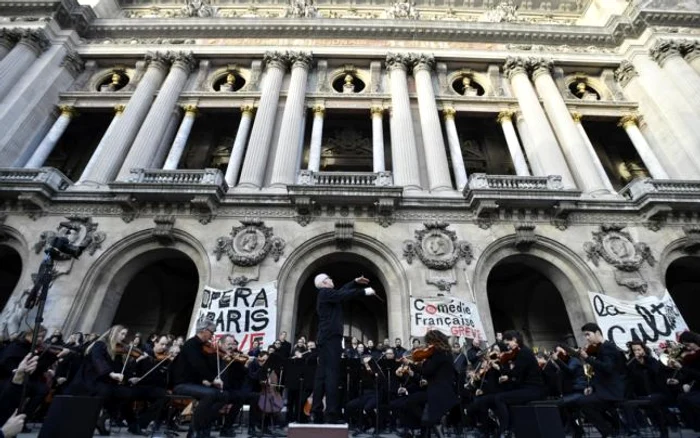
x: 192, y: 365
x: 329, y: 306
x: 609, y: 372
x: 439, y: 373
x: 525, y: 371
x: 94, y: 370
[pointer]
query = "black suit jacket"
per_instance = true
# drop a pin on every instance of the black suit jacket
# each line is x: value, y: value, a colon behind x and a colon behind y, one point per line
x: 329, y: 306
x: 439, y: 373
x: 609, y: 372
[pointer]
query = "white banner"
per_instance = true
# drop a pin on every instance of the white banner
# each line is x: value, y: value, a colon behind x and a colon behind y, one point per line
x: 247, y: 314
x: 649, y: 319
x: 451, y: 316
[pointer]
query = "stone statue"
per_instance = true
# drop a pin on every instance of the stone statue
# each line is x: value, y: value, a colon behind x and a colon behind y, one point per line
x: 403, y: 10
x: 583, y: 93
x: 468, y: 89
x: 198, y: 8
x: 301, y: 9
x: 348, y: 86
x: 229, y: 84
x: 504, y: 11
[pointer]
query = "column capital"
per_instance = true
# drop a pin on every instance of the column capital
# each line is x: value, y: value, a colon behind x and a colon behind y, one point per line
x: 68, y: 111
x: 625, y: 73
x: 300, y: 59
x: 276, y: 59
x: 376, y: 111
x: 577, y: 116
x: 397, y: 61
x: 664, y: 49
x: 35, y: 39
x: 540, y: 66
x: 629, y: 120
x: 247, y: 110
x: 449, y: 113
x: 157, y: 60
x: 8, y: 37
x: 183, y: 60
x: 690, y: 49
x: 73, y: 63
x: 514, y: 66
x: 505, y: 116
x: 319, y: 110
x: 422, y: 61
x: 118, y: 109
x: 190, y: 109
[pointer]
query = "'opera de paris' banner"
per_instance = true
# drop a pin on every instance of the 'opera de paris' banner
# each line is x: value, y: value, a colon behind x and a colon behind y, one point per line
x: 246, y: 313
x: 649, y: 319
x: 452, y: 316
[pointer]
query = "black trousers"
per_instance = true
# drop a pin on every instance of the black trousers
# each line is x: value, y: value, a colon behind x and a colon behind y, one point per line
x: 210, y: 401
x: 326, y: 379
x: 353, y: 410
x: 601, y: 413
x: 412, y: 412
x: 503, y: 400
x: 478, y: 412
x: 155, y: 397
x: 689, y: 405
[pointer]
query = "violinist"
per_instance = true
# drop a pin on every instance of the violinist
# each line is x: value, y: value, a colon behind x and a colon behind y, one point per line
x: 67, y: 366
x: 483, y: 387
x: 607, y: 385
x: 689, y: 379
x: 372, y: 383
x: 408, y: 393
x: 193, y: 376
x: 232, y: 367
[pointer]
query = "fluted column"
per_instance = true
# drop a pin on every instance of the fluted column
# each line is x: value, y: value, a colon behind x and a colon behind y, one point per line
x: 166, y: 141
x: 253, y: 171
x: 98, y: 152
x: 117, y: 141
x: 183, y: 133
x: 284, y: 170
x: 691, y: 52
x: 455, y: 146
x: 505, y: 119
x: 630, y: 123
x: 433, y: 143
x: 8, y: 38
x: 667, y: 54
x: 18, y: 60
x: 572, y: 144
x: 403, y: 140
x: 44, y: 149
x: 316, y: 138
x: 545, y: 148
x: 238, y: 149
x: 156, y: 122
x: 378, y: 164
x: 528, y: 145
x: 576, y: 117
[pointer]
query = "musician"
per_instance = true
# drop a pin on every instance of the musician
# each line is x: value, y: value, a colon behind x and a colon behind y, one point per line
x: 149, y: 380
x: 329, y: 306
x: 607, y: 385
x: 523, y: 376
x: 408, y: 393
x: 372, y: 383
x: 232, y: 366
x: 474, y: 352
x: 689, y: 381
x: 194, y: 377
x: 400, y: 351
x: 285, y: 348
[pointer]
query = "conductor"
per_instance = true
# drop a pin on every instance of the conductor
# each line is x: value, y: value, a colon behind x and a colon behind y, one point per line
x: 329, y: 306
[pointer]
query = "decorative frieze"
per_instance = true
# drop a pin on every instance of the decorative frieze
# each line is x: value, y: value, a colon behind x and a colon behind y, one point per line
x: 437, y: 247
x: 301, y: 9
x: 403, y: 10
x: 80, y: 231
x: 250, y: 244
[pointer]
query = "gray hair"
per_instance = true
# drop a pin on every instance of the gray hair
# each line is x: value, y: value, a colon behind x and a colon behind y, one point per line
x: 205, y: 324
x: 319, y: 279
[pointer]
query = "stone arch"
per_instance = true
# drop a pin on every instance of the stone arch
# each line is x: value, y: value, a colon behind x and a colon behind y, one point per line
x: 94, y: 308
x: 564, y: 268
x: 13, y: 309
x: 675, y: 260
x: 304, y: 260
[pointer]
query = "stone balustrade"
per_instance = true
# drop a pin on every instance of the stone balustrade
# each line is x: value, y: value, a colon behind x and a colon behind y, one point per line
x: 352, y: 179
x: 482, y: 181
x: 47, y: 176
x: 177, y: 177
x: 648, y: 186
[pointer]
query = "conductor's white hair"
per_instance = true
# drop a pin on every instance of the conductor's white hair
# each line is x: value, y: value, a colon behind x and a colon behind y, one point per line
x: 319, y: 279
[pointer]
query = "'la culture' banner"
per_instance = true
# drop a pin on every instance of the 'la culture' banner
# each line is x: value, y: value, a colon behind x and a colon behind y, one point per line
x: 451, y: 316
x: 649, y: 319
x: 247, y: 314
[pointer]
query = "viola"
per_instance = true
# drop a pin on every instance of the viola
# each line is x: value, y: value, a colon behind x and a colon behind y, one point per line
x: 162, y: 356
x: 508, y: 356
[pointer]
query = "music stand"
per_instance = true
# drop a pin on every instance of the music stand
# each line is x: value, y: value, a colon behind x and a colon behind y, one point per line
x: 390, y: 367
x: 378, y: 373
x: 295, y: 381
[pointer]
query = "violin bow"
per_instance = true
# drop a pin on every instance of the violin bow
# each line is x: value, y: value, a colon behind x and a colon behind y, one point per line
x: 154, y: 367
x: 126, y: 360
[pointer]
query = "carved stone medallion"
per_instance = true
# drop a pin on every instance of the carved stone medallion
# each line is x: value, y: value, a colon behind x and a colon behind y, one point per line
x: 249, y: 244
x: 437, y: 247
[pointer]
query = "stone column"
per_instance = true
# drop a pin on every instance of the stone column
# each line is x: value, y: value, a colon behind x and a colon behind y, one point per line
x: 545, y: 147
x: 32, y: 44
x: 183, y: 133
x: 575, y: 150
x: 505, y: 119
x: 528, y: 145
x: 691, y: 52
x: 8, y: 38
x: 253, y: 172
x: 455, y: 146
x: 117, y: 141
x: 378, y: 164
x: 284, y: 170
x: 166, y: 141
x: 630, y: 123
x: 156, y: 122
x: 403, y: 140
x: 667, y: 54
x: 316, y: 138
x: 44, y: 149
x: 98, y: 152
x: 433, y: 143
x: 576, y: 117
x: 238, y: 149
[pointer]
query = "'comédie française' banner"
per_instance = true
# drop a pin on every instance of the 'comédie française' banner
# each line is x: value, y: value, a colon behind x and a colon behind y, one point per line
x: 246, y: 313
x: 649, y: 319
x: 450, y: 315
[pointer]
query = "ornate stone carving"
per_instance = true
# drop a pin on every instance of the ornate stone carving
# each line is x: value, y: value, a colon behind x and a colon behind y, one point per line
x: 690, y: 49
x: 163, y: 231
x: 692, y: 234
x: 442, y: 283
x: 625, y: 73
x: 8, y: 37
x: 616, y: 247
x: 183, y: 59
x: 276, y: 59
x: 300, y: 59
x: 403, y: 10
x: 437, y: 247
x: 73, y: 63
x: 513, y: 66
x: 504, y: 11
x: 301, y: 9
x: 540, y: 66
x: 240, y: 280
x: 34, y: 38
x: 398, y: 60
x: 525, y: 235
x: 664, y: 49
x: 422, y: 61
x: 79, y: 230
x: 198, y: 8
x: 249, y: 244
x: 158, y: 58
x: 344, y: 233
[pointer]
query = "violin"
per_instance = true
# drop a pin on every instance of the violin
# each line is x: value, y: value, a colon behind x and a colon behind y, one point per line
x: 210, y: 349
x: 133, y: 352
x: 162, y: 356
x: 508, y: 356
x: 421, y: 354
x: 592, y: 349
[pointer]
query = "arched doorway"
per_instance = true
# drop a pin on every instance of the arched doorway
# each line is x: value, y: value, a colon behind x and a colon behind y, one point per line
x: 10, y: 272
x: 683, y: 283
x: 521, y: 296
x: 160, y: 295
x: 364, y: 319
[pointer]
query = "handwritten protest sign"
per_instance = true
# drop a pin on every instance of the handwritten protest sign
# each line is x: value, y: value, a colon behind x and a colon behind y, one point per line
x: 649, y: 319
x: 451, y: 316
x: 243, y: 312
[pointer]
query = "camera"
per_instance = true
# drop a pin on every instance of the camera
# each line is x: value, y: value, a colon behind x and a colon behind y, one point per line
x: 60, y: 246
